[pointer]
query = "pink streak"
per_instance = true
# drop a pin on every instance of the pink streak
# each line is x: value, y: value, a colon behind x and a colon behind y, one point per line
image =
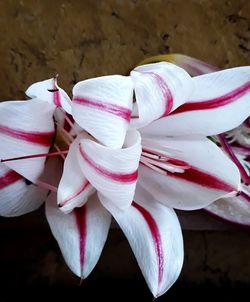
x: 34, y: 156
x: 193, y: 174
x: 119, y: 177
x: 116, y: 110
x: 80, y: 216
x: 156, y: 238
x: 202, y: 178
x: 223, y: 100
x: 166, y: 93
x: 9, y: 178
x: 227, y: 148
x: 244, y: 196
x: 56, y: 98
x: 39, y: 138
x: 56, y: 93
x: 83, y: 187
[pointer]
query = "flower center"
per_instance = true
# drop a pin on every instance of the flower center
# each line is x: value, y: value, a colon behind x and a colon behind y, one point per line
x: 162, y: 163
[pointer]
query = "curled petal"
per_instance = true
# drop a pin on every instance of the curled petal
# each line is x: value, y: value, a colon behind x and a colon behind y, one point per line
x: 234, y: 210
x: 17, y: 195
x: 154, y: 234
x: 159, y: 89
x: 74, y: 188
x: 26, y: 128
x: 219, y: 103
x: 113, y: 172
x: 193, y: 66
x: 205, y: 173
x: 50, y: 92
x: 102, y: 106
x: 80, y: 234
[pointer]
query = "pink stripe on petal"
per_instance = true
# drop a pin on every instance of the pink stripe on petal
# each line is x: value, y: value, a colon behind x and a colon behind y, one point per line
x: 56, y: 93
x: 203, y: 179
x: 223, y: 100
x: 9, y: 178
x: 39, y: 138
x: 80, y: 216
x: 119, y: 177
x: 166, y: 93
x: 156, y: 238
x: 84, y: 186
x: 244, y: 196
x: 113, y: 109
x: 56, y: 98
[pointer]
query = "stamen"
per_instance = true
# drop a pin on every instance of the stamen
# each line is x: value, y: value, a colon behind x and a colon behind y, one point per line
x: 34, y: 156
x: 146, y: 163
x: 59, y: 150
x: 165, y: 166
x: 154, y: 156
x: 67, y: 136
x: 46, y: 186
x: 67, y: 119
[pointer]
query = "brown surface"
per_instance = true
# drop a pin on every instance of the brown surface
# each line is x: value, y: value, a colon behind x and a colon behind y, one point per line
x: 81, y: 39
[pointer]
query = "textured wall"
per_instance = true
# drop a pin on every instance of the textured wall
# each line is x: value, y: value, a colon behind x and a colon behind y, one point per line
x: 86, y: 38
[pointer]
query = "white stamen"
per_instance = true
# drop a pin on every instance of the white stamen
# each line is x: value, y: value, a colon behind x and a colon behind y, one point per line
x: 47, y: 186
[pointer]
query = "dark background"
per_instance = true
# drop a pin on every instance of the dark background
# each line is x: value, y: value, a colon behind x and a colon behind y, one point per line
x: 81, y: 39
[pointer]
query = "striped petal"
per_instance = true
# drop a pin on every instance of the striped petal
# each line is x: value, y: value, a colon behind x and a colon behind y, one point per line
x: 189, y: 173
x: 219, y: 103
x: 102, y: 106
x: 26, y: 128
x: 234, y: 210
x: 17, y: 195
x: 193, y: 66
x: 113, y: 172
x: 74, y: 188
x: 80, y: 234
x: 50, y: 92
x: 159, y: 89
x: 155, y: 237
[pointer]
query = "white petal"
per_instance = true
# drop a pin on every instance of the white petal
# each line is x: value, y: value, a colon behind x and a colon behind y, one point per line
x: 113, y: 172
x: 102, y: 106
x: 74, y: 188
x: 159, y: 89
x: 154, y: 234
x: 219, y: 103
x: 235, y: 210
x: 193, y: 66
x: 26, y: 128
x: 80, y: 234
x: 207, y: 173
x: 50, y: 92
x: 17, y: 196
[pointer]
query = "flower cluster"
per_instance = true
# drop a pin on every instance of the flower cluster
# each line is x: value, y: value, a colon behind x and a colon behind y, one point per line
x: 130, y: 147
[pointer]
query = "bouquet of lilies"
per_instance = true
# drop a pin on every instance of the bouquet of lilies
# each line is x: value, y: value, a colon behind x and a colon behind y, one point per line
x: 171, y: 135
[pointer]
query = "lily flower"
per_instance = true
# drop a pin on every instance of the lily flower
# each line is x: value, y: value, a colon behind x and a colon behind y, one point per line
x: 27, y: 132
x: 170, y: 176
x: 180, y: 166
x: 99, y: 181
x: 236, y: 209
x: 164, y: 133
x: 234, y: 143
